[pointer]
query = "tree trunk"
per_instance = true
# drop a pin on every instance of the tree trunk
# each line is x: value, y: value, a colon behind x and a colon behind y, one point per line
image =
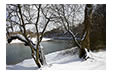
x: 85, y: 42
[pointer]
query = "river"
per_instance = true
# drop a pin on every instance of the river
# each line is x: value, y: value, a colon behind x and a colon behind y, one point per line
x: 17, y: 52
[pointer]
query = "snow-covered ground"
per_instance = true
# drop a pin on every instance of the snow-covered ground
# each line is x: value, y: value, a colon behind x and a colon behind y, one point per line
x: 65, y: 60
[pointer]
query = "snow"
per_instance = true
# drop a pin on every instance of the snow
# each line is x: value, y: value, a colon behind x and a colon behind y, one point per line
x: 65, y: 60
x: 84, y: 36
x: 33, y: 39
x: 44, y: 39
x: 28, y: 64
x: 72, y: 62
x: 16, y: 41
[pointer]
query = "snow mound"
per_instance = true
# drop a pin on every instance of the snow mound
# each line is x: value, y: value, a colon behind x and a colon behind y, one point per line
x: 69, y: 60
x: 28, y: 64
x: 65, y: 60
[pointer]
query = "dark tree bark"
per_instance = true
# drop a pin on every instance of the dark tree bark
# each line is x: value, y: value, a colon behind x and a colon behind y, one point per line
x: 85, y: 42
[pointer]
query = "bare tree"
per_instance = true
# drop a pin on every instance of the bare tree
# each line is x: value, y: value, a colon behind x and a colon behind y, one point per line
x: 66, y: 15
x: 26, y: 14
x: 41, y: 15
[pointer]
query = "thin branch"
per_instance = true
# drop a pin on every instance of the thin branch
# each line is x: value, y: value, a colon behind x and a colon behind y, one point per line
x: 36, y: 24
x: 24, y: 34
x: 23, y: 24
x: 42, y: 34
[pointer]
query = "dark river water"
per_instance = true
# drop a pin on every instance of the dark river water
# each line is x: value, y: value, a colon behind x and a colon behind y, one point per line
x: 17, y: 52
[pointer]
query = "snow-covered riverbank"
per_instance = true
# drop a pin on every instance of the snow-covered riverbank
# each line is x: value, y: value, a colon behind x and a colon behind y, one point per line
x: 33, y: 39
x: 65, y: 60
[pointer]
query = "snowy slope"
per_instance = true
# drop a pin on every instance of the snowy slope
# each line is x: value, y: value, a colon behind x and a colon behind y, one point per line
x: 28, y: 64
x: 62, y: 61
x: 65, y: 60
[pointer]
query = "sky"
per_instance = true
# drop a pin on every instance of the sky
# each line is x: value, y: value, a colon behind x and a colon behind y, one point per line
x: 79, y: 17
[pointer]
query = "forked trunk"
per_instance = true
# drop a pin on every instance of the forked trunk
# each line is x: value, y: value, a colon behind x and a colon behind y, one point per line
x: 39, y: 57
